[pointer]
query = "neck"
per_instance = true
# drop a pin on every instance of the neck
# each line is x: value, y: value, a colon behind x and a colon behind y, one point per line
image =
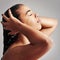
x: 21, y: 40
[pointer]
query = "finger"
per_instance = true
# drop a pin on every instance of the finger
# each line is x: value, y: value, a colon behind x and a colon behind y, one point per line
x: 3, y: 23
x: 11, y: 33
x: 5, y: 17
x: 10, y: 13
x: 6, y: 28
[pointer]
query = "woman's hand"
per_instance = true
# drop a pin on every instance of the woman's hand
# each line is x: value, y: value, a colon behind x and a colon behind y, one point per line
x: 48, y: 25
x: 11, y: 23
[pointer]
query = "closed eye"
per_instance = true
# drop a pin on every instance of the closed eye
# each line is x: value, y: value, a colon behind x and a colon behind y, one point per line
x: 30, y: 14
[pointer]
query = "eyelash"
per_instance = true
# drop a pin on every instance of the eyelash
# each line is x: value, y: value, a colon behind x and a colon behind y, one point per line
x: 30, y: 14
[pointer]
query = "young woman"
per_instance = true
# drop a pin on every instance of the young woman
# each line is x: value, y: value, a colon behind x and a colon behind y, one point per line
x: 26, y: 35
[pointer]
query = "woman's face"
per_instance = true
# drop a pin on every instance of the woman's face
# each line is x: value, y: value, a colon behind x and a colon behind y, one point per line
x: 28, y: 17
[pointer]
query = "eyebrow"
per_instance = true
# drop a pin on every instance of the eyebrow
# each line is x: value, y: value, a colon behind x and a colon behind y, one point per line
x: 28, y: 11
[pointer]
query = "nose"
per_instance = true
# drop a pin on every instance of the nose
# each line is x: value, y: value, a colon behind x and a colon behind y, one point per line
x: 36, y: 15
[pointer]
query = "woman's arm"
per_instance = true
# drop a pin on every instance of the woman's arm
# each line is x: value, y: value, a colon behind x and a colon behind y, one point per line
x: 13, y: 24
x: 48, y: 25
x: 40, y: 43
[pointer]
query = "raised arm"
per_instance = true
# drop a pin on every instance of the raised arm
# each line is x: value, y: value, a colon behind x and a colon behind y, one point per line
x: 13, y: 24
x: 48, y: 25
x: 40, y: 43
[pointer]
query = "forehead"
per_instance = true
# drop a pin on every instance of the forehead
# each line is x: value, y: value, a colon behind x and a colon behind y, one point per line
x: 23, y: 9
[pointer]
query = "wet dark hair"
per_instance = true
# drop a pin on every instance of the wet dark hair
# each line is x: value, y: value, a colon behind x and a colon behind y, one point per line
x: 10, y: 39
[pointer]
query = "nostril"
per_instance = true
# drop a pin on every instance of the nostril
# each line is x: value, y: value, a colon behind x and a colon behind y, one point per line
x: 38, y: 21
x: 35, y: 15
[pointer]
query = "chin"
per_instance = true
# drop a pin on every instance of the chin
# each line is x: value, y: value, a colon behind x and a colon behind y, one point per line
x: 39, y: 28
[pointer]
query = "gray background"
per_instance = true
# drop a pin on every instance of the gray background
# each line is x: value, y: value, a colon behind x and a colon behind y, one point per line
x: 48, y: 8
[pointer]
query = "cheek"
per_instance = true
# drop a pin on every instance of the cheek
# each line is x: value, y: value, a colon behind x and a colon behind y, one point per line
x: 31, y: 21
x: 23, y: 19
x: 28, y: 20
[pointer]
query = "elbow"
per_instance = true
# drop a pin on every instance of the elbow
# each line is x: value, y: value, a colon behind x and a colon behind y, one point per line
x: 49, y: 44
x: 55, y: 23
x: 45, y: 47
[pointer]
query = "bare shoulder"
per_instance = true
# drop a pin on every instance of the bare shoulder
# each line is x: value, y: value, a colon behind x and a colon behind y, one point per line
x: 26, y: 52
x: 17, y: 53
